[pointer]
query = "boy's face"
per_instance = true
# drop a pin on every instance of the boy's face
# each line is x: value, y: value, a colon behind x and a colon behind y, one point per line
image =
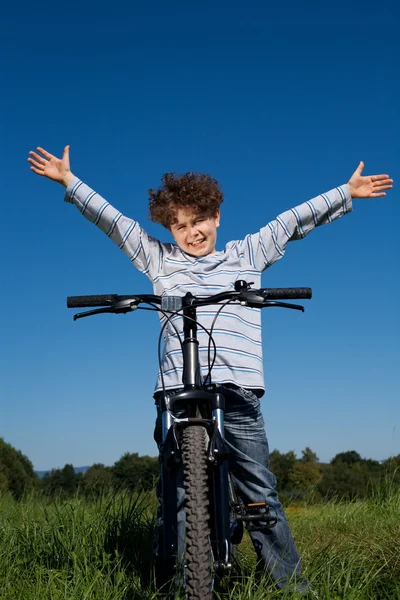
x: 194, y: 233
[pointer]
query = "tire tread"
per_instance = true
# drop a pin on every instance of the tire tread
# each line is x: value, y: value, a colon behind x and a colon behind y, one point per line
x: 198, y: 549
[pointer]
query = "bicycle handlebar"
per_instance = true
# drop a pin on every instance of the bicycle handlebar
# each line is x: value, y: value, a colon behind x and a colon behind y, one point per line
x: 286, y: 293
x: 107, y: 300
x: 255, y: 297
x: 82, y: 301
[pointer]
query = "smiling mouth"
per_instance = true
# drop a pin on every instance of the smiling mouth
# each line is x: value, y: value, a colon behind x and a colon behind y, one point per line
x: 197, y: 242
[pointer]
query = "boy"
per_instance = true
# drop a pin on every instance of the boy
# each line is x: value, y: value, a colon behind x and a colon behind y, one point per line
x: 188, y: 206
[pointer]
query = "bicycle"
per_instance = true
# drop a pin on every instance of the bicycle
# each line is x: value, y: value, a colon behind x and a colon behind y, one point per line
x: 193, y: 445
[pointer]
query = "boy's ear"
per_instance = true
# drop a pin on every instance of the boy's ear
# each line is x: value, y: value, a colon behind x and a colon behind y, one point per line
x: 217, y: 218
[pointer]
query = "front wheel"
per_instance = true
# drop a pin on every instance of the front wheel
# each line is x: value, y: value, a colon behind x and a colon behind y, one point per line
x: 198, y: 555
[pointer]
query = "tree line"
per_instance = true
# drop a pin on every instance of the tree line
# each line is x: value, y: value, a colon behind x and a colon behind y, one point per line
x: 348, y: 474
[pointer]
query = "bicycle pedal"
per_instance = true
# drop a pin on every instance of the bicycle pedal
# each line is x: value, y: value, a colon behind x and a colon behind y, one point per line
x: 257, y: 508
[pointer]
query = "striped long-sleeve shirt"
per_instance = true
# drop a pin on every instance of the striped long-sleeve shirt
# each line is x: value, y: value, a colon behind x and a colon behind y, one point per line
x: 237, y: 332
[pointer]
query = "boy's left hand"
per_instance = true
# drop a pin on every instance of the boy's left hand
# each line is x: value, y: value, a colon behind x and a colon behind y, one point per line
x: 368, y: 187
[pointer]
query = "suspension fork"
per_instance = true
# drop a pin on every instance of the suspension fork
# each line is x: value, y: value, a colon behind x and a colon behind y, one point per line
x: 220, y: 501
x: 170, y: 462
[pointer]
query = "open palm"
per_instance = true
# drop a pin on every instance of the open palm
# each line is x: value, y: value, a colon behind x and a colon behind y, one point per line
x: 372, y: 186
x: 47, y: 165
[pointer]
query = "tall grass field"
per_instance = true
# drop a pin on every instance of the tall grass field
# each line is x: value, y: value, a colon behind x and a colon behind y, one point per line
x: 101, y: 550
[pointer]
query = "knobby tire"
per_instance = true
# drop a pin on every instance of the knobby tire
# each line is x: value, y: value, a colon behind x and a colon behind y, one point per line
x: 198, y: 557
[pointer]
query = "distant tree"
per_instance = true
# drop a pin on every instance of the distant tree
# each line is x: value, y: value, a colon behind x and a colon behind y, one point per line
x: 308, y: 456
x: 281, y: 465
x: 69, y: 479
x: 16, y: 471
x: 352, y: 480
x: 391, y: 467
x: 132, y: 471
x: 3, y: 481
x: 393, y: 462
x: 349, y: 474
x: 350, y: 458
x: 61, y: 482
x: 304, y: 475
x: 97, y: 480
x: 372, y: 466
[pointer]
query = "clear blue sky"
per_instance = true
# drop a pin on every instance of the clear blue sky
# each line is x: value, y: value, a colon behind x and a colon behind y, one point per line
x: 279, y: 102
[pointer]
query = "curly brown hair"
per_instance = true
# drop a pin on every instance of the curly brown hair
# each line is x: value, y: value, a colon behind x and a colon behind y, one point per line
x: 195, y: 191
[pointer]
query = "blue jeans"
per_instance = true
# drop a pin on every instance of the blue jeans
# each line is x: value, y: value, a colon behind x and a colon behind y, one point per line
x: 249, y: 465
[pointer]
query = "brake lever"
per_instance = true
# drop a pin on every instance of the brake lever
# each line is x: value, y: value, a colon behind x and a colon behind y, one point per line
x: 121, y: 307
x: 283, y: 305
x: 258, y: 301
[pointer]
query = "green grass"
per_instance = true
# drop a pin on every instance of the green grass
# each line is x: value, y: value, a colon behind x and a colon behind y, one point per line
x: 101, y: 550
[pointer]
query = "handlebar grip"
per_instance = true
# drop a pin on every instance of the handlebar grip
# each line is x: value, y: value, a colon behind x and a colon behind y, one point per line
x: 82, y: 301
x: 286, y: 293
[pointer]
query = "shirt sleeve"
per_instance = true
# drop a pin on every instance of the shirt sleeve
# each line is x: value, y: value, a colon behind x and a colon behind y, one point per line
x: 142, y: 250
x: 264, y: 248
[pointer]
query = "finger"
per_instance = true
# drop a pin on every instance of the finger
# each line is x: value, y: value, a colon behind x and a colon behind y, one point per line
x: 36, y: 164
x: 37, y: 171
x: 378, y: 195
x: 360, y: 168
x: 45, y: 153
x: 65, y: 158
x: 380, y: 182
x: 40, y: 159
x: 378, y: 177
x: 379, y: 188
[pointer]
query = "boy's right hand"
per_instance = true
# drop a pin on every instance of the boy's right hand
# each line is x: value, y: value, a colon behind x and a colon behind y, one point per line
x: 47, y: 165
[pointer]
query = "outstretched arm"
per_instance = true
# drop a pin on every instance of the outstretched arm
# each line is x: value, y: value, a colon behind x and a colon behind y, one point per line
x: 142, y: 250
x: 269, y: 244
x: 48, y: 165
